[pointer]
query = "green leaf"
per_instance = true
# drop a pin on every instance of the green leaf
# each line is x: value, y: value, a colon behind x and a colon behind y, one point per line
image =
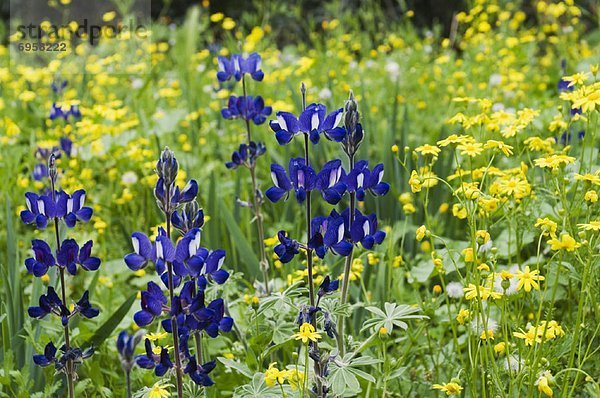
x: 111, y: 323
x: 242, y: 368
x: 240, y: 242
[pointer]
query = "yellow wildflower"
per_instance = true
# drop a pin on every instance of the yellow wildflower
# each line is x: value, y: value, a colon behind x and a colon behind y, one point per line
x: 529, y: 279
x: 591, y: 226
x: 421, y: 232
x: 462, y: 316
x: 543, y: 383
x: 451, y: 388
x: 274, y: 376
x: 547, y: 226
x: 566, y: 242
x: 307, y: 332
x: 428, y: 149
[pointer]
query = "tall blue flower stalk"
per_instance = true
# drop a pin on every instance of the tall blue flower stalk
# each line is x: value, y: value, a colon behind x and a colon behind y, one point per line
x: 338, y: 232
x: 186, y: 270
x: 251, y: 110
x: 59, y: 207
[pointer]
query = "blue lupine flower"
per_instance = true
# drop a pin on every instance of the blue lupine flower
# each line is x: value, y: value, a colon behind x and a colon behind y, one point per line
x: 200, y: 263
x: 199, y: 373
x: 66, y: 145
x: 84, y: 307
x: 247, y: 108
x: 67, y: 255
x: 212, y: 320
x: 126, y: 345
x: 237, y: 66
x: 40, y: 172
x: 246, y: 155
x: 75, y: 112
x: 74, y: 208
x: 213, y: 269
x: 39, y: 209
x: 86, y: 260
x: 302, y: 178
x: 287, y: 248
x: 57, y: 112
x: 160, y: 363
x: 191, y: 216
x: 330, y: 181
x: 328, y: 286
x: 49, y: 303
x: 178, y: 197
x: 152, y: 305
x: 312, y: 121
x: 164, y: 363
x: 143, y: 251
x: 328, y: 325
x: 360, y: 179
x: 74, y: 355
x: 42, y: 260
x: 70, y: 255
x: 165, y: 253
x: 364, y: 230
x: 58, y: 85
x: 48, y: 357
x: 330, y: 234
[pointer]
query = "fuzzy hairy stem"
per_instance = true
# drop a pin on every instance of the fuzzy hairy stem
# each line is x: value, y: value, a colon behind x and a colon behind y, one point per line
x: 347, y: 268
x: 264, y: 263
x: 174, y: 327
x: 69, y: 370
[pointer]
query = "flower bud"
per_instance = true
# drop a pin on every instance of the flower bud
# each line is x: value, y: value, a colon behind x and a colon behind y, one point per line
x: 52, y: 171
x: 167, y: 167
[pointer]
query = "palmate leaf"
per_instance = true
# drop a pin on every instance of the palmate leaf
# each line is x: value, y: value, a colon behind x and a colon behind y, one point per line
x: 394, y: 315
x: 344, y: 374
x: 257, y: 389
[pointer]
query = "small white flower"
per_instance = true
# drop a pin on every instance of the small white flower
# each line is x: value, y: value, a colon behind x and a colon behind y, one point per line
x: 514, y: 363
x: 129, y: 178
x: 325, y: 94
x: 455, y: 290
x: 478, y: 326
x: 498, y: 106
x: 137, y: 83
x: 495, y: 79
x: 393, y: 69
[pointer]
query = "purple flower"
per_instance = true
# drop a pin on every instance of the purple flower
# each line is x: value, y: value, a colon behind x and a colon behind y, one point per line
x: 237, y: 66
x: 191, y: 216
x: 246, y: 155
x: 360, y: 179
x: 330, y: 181
x: 74, y: 209
x: 42, y: 259
x: 152, y: 305
x: 247, y: 108
x: 143, y: 251
x: 287, y: 248
x: 84, y: 307
x: 48, y: 357
x: 50, y: 303
x: 364, y: 230
x: 39, y: 209
x: 328, y: 286
x: 199, y: 373
x: 160, y: 363
x: 302, y: 178
x: 331, y: 234
x: 312, y: 121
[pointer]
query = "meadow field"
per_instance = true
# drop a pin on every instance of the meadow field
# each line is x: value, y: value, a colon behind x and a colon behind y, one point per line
x: 348, y: 205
